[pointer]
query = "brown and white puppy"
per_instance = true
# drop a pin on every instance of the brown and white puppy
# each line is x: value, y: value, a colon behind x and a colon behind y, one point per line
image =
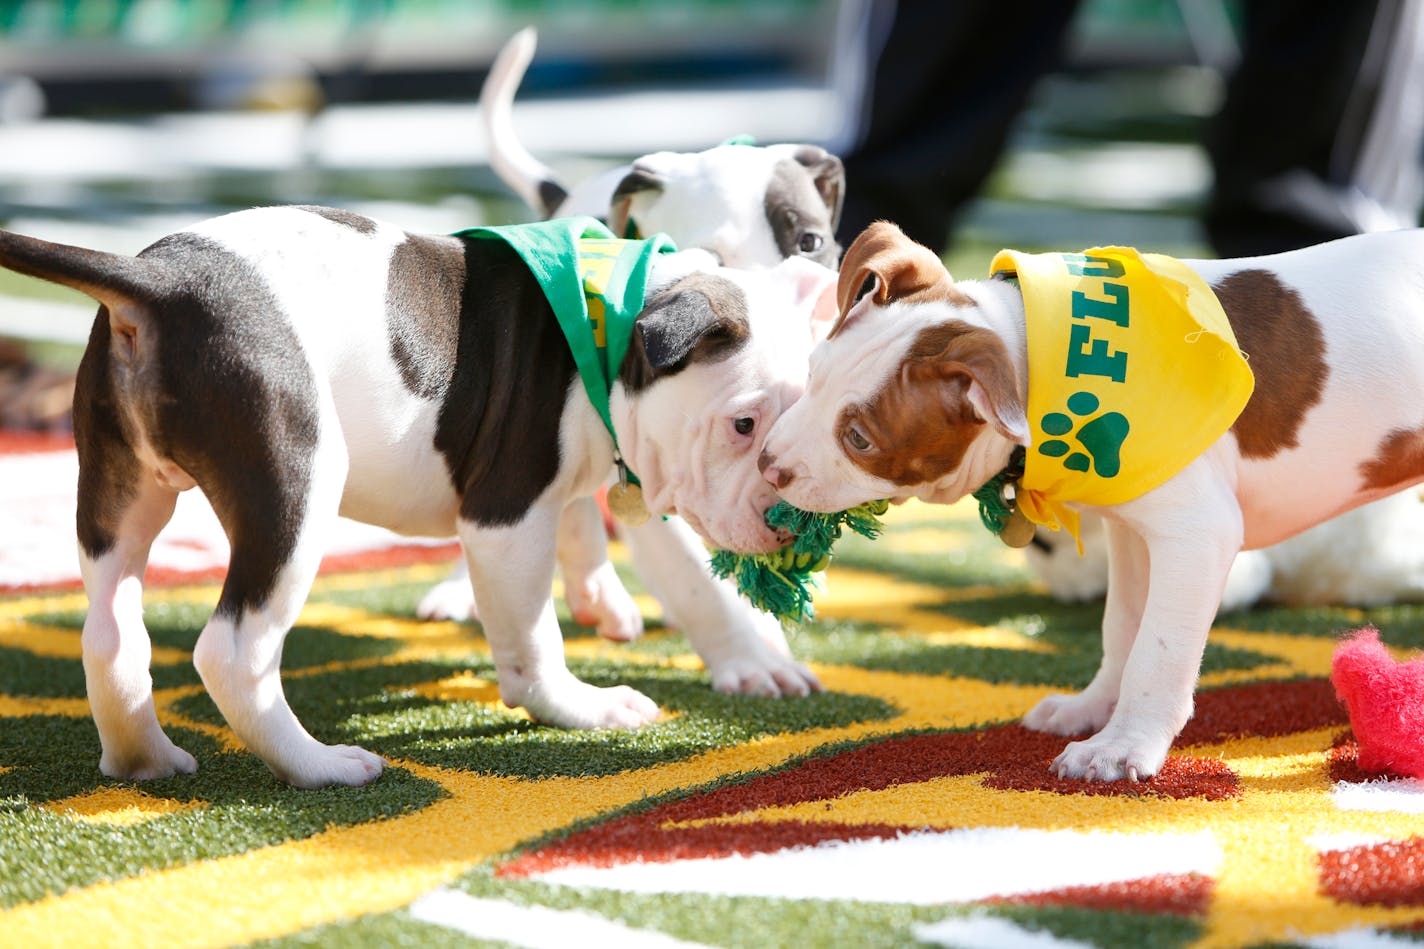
x: 920, y: 391
x: 297, y: 363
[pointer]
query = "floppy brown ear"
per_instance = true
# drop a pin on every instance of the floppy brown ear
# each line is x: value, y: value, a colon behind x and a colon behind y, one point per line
x: 903, y: 270
x: 977, y: 360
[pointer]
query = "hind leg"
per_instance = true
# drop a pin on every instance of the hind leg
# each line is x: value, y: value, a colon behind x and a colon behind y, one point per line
x: 118, y: 521
x: 276, y: 524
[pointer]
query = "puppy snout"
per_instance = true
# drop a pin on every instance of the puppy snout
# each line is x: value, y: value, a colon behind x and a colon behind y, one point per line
x: 778, y: 477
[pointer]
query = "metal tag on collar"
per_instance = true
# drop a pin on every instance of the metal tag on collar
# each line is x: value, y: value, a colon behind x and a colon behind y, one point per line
x: 625, y: 499
x: 1018, y: 529
x: 999, y: 507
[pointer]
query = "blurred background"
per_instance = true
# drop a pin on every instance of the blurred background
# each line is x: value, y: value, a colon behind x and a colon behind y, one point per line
x: 122, y: 120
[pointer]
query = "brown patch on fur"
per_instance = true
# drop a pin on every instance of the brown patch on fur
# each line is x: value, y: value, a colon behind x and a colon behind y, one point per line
x: 1286, y: 349
x: 904, y: 271
x: 921, y: 422
x: 1399, y: 460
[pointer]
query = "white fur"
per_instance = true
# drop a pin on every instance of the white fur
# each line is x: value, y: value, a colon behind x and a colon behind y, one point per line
x: 1170, y: 550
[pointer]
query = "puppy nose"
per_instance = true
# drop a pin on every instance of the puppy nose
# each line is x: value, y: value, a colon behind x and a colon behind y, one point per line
x: 779, y: 478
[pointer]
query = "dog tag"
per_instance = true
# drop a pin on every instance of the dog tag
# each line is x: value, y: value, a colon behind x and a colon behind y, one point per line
x: 625, y: 500
x: 1018, y: 532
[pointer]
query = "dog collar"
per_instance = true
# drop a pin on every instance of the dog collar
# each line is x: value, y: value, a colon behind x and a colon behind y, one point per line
x: 1133, y: 372
x: 998, y: 503
x: 595, y: 283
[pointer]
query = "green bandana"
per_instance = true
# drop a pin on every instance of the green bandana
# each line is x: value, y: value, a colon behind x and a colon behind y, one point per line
x: 595, y: 284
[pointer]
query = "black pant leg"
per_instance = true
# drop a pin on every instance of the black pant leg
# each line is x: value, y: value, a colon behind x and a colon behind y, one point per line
x: 941, y: 99
x: 1305, y: 147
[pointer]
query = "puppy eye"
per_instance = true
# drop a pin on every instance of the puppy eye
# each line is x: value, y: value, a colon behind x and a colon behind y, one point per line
x: 810, y: 243
x: 744, y: 425
x: 858, y: 441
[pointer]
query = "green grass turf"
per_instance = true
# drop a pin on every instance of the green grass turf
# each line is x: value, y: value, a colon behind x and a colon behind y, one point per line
x: 348, y: 687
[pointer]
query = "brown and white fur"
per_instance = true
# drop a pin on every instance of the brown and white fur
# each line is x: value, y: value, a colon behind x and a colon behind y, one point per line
x: 920, y: 390
x: 752, y: 207
x: 297, y: 363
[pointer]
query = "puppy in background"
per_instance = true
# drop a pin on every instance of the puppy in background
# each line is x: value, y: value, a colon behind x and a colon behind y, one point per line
x: 1371, y: 556
x: 751, y: 206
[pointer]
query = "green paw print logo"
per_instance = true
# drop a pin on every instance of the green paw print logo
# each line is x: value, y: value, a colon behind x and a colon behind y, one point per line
x: 1099, y: 438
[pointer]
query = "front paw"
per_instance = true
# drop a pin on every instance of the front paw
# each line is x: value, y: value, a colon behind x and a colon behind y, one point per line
x: 159, y: 759
x: 1080, y: 714
x: 575, y: 704
x: 1111, y: 757
x: 316, y: 765
x: 601, y: 601
x: 763, y: 671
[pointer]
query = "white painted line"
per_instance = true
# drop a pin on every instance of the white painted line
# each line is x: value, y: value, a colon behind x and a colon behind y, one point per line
x: 536, y: 927
x: 1360, y: 938
x: 973, y: 864
x: 989, y: 932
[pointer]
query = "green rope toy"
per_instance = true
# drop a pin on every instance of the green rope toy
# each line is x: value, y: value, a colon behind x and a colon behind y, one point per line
x: 780, y: 582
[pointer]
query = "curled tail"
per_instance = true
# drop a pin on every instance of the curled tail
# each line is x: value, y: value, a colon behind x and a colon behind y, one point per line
x: 124, y: 285
x: 526, y: 175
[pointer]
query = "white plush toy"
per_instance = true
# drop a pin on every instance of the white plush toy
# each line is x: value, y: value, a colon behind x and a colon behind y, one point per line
x: 1370, y: 556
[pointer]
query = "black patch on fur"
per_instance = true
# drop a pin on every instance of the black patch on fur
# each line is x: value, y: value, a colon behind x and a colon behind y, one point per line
x: 796, y: 210
x: 700, y: 318
x: 357, y: 223
x: 637, y: 181
x: 827, y: 175
x: 233, y: 403
x: 426, y: 281
x: 108, y: 468
x: 551, y: 196
x: 498, y: 427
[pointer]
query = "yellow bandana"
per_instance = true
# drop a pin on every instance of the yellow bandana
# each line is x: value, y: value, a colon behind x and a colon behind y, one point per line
x: 1133, y: 372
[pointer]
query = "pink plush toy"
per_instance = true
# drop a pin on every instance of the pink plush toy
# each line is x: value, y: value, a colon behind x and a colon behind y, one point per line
x: 1386, y: 702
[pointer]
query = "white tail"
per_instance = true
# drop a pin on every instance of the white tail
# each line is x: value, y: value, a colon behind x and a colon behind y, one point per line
x: 526, y: 175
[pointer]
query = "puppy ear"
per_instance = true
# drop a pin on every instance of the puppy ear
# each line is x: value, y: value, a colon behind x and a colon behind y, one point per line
x: 700, y: 318
x: 974, y: 365
x: 901, y: 269
x: 641, y: 179
x: 828, y: 174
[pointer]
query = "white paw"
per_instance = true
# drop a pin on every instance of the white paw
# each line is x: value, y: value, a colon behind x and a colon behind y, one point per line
x: 764, y: 672
x: 576, y: 704
x: 1111, y: 757
x: 319, y: 766
x: 1080, y: 714
x: 601, y: 601
x: 451, y: 599
x: 163, y: 760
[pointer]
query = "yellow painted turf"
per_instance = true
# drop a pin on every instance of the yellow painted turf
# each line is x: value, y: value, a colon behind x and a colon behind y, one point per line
x: 1266, y: 887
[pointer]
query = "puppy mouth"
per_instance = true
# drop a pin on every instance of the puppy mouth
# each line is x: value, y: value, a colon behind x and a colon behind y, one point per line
x: 740, y: 539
